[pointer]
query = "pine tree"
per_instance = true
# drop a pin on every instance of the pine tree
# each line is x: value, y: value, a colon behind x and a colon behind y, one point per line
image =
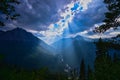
x: 7, y: 8
x: 82, y: 70
x: 112, y: 17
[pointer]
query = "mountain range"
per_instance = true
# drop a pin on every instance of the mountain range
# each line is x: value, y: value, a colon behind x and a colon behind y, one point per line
x: 25, y: 50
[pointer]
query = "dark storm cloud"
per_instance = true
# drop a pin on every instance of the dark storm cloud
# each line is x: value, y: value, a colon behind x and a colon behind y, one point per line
x: 93, y: 15
x: 38, y: 14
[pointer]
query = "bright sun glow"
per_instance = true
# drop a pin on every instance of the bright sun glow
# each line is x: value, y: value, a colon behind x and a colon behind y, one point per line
x: 56, y: 29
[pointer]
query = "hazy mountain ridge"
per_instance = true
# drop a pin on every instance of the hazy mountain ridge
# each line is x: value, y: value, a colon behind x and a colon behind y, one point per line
x: 73, y: 50
x: 18, y: 34
x: 24, y: 49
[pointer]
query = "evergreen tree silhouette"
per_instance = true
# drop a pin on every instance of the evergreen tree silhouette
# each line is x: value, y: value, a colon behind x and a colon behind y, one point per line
x: 82, y: 70
x: 112, y: 17
x: 7, y: 8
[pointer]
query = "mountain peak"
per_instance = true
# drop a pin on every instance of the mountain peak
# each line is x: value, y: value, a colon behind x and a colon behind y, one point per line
x: 78, y: 37
x: 19, y: 30
x: 18, y: 34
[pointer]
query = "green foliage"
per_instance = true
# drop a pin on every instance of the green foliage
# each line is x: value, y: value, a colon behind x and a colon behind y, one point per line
x: 90, y: 75
x: 111, y: 17
x: 7, y: 10
x: 102, y: 47
x: 14, y: 74
x: 8, y: 72
x: 105, y: 69
x: 1, y: 56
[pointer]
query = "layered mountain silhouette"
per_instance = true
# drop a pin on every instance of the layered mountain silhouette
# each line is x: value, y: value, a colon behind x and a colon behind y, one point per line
x: 25, y: 50
x: 73, y: 50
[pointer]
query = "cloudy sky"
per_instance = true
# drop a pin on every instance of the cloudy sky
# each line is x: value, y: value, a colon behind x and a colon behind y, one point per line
x: 51, y: 20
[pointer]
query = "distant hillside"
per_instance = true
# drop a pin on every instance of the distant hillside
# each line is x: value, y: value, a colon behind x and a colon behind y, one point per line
x: 24, y: 49
x: 18, y: 34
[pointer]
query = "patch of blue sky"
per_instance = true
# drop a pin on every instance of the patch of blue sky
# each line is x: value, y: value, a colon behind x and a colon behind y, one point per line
x: 67, y: 17
x: 56, y: 25
x: 81, y: 8
x: 63, y: 21
x: 75, y: 7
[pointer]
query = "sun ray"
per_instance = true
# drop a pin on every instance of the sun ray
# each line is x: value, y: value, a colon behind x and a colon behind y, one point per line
x: 56, y: 30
